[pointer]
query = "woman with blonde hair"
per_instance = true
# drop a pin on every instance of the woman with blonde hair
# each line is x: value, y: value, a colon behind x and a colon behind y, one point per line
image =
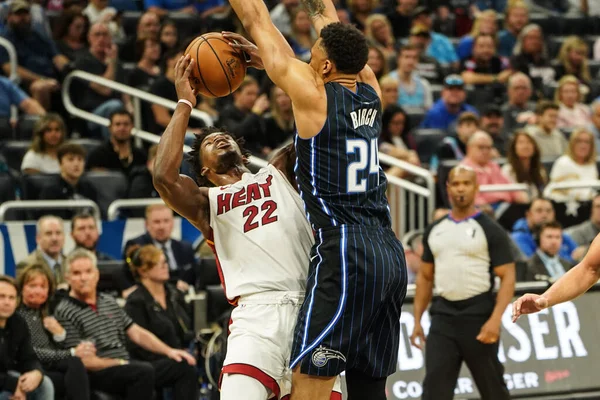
x: 65, y: 367
x: 578, y: 164
x: 279, y: 122
x: 390, y: 91
x: 377, y: 62
x: 485, y: 23
x: 572, y: 112
x: 379, y: 33
x: 524, y: 164
x: 302, y: 36
x: 48, y: 134
x: 573, y: 60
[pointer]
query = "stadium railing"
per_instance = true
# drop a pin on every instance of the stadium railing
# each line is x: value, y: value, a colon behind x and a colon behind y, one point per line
x: 118, y: 205
x: 48, y: 205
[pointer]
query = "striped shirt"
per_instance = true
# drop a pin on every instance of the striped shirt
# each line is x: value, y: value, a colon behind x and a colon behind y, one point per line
x: 106, y: 326
x: 44, y: 346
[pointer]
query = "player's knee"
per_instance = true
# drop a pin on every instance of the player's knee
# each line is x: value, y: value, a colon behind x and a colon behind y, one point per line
x: 238, y: 386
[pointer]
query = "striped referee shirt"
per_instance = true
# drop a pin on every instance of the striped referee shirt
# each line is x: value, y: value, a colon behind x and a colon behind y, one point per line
x: 106, y: 326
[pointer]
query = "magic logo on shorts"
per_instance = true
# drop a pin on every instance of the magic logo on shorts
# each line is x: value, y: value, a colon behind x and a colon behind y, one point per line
x: 322, y: 355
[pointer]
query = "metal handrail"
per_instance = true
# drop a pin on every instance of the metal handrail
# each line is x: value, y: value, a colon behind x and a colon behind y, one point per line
x: 12, y: 56
x: 115, y: 206
x: 136, y: 94
x: 48, y: 204
x: 572, y: 185
x: 504, y: 187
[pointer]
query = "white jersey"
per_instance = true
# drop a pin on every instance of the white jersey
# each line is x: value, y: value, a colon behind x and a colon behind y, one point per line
x: 261, y: 237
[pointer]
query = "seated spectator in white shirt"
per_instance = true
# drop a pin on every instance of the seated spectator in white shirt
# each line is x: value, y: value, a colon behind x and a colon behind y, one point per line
x: 572, y: 112
x: 577, y: 164
x: 48, y: 134
x: 546, y: 264
x: 551, y: 141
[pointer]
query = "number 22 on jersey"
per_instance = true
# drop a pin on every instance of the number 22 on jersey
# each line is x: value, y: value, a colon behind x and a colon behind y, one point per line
x: 251, y: 213
x: 368, y: 157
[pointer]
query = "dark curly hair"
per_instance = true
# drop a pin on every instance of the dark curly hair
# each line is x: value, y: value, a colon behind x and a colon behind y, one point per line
x: 346, y: 46
x: 193, y: 157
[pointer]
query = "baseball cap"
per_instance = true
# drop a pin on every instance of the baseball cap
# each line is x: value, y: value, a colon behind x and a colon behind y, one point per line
x: 492, y: 109
x: 454, y: 80
x: 19, y: 5
x: 420, y: 10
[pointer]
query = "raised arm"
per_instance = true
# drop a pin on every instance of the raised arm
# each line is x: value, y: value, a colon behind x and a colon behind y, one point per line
x: 180, y: 192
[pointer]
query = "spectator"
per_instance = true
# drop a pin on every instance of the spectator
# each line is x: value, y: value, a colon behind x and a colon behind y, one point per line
x: 65, y: 367
x: 414, y: 91
x: 84, y: 232
x: 148, y: 26
x: 572, y: 112
x: 379, y: 33
x: 492, y: 122
x: 88, y: 315
x: 377, y: 62
x: 485, y: 67
x: 463, y: 254
x: 360, y: 10
x: 302, y: 36
x: 413, y: 243
x: 486, y: 23
x: 118, y: 153
x: 573, y: 60
x: 168, y: 36
x: 479, y: 158
x: 12, y: 95
x: 20, y: 371
x: 146, y: 70
x: 101, y: 60
x: 281, y: 15
x: 48, y: 134
x: 396, y: 140
x: 279, y: 125
x: 524, y: 164
x: 518, y: 109
x: 540, y: 211
x: 550, y: 140
x: 585, y: 232
x: 516, y: 18
x: 546, y: 263
x: 100, y: 11
x: 455, y: 147
x: 531, y: 58
x: 156, y: 305
x: 141, y: 186
x: 50, y: 239
x: 400, y: 14
x: 39, y: 18
x: 164, y: 7
x: 206, y: 9
x: 594, y: 126
x: 71, y: 158
x: 243, y: 116
x: 389, y: 91
x: 444, y: 21
x: 37, y: 55
x: 440, y: 47
x: 70, y: 34
x: 428, y: 67
x: 447, y: 109
x: 164, y: 86
x: 578, y: 164
x: 179, y: 254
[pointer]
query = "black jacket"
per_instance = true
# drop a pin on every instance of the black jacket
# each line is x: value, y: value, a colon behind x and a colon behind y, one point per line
x: 64, y: 191
x: 173, y: 326
x: 16, y: 352
x: 184, y: 258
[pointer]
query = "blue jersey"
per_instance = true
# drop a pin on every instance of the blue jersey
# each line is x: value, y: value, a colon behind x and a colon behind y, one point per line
x: 338, y: 170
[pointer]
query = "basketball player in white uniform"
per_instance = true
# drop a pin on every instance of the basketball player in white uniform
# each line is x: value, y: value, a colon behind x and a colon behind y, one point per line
x: 262, y: 240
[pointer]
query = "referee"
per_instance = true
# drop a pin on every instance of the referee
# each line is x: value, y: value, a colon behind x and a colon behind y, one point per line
x: 463, y: 253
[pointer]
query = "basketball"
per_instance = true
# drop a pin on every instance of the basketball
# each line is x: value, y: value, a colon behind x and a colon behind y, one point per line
x: 220, y: 69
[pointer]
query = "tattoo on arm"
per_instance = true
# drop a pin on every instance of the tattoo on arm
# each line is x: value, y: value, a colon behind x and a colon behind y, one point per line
x: 314, y: 8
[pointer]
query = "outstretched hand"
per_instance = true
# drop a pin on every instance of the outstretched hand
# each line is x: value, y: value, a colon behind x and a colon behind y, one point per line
x: 528, y: 304
x: 237, y: 41
x: 183, y: 86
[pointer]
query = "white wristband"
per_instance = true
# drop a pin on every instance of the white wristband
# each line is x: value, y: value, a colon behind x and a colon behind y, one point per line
x: 72, y: 350
x: 184, y: 101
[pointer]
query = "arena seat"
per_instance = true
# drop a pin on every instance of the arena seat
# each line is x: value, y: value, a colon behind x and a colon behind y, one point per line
x: 25, y: 126
x: 427, y: 142
x: 521, y: 271
x: 129, y: 21
x: 415, y: 117
x: 110, y: 186
x: 32, y: 184
x: 13, y: 151
x: 6, y: 129
x: 208, y: 272
x: 217, y: 302
x: 88, y: 144
x: 8, y: 187
x: 108, y: 270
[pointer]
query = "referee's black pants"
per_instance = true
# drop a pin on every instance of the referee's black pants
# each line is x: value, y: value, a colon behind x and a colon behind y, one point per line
x: 451, y: 341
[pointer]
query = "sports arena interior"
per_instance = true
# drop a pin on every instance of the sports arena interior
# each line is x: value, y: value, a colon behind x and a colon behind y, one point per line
x: 88, y: 88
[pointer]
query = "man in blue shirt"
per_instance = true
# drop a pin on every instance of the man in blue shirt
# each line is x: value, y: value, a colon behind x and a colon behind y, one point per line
x: 37, y: 55
x: 440, y: 47
x: 541, y: 211
x: 12, y: 95
x: 452, y: 103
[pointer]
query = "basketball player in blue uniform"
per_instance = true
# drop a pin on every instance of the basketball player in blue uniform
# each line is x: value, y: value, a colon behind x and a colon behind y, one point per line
x: 350, y: 318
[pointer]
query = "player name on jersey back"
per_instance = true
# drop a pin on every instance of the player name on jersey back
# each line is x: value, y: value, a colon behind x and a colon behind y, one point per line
x: 364, y: 116
x: 262, y: 239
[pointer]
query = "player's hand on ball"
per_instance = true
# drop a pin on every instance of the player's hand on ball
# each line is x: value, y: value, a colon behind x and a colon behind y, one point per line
x: 528, y: 304
x: 237, y: 41
x: 183, y: 70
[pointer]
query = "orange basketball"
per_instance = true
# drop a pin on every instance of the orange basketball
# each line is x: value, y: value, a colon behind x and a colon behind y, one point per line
x: 220, y: 69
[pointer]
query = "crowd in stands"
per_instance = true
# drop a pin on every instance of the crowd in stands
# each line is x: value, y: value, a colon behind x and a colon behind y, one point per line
x: 509, y: 88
